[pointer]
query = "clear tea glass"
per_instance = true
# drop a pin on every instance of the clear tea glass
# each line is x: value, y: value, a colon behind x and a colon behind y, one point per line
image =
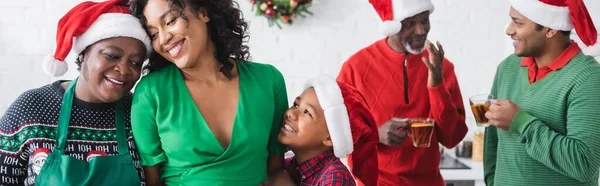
x: 480, y: 104
x: 420, y: 131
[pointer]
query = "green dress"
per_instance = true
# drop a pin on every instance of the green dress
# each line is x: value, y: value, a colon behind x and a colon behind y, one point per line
x: 169, y: 130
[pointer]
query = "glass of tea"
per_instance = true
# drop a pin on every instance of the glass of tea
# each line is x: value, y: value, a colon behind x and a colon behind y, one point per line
x: 420, y: 131
x: 480, y: 104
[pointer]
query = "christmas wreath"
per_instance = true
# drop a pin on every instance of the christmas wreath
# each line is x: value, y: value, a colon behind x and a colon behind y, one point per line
x: 281, y: 11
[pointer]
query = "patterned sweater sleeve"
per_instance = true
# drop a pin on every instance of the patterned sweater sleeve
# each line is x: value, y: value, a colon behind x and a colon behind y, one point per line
x: 13, y: 154
x: 576, y: 154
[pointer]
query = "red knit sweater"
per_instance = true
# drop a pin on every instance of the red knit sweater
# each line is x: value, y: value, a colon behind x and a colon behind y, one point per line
x: 378, y: 72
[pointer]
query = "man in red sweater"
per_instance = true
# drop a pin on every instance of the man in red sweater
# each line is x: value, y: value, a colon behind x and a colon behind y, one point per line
x: 399, y: 79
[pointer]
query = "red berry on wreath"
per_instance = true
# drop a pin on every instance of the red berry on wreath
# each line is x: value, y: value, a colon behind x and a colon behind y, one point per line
x: 270, y: 3
x: 253, y: 2
x: 270, y: 12
x: 294, y: 15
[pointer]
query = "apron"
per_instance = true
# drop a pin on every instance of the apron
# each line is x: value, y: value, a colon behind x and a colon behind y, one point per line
x: 64, y: 170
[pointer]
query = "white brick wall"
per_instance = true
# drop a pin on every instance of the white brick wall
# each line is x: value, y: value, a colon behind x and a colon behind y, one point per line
x: 472, y: 33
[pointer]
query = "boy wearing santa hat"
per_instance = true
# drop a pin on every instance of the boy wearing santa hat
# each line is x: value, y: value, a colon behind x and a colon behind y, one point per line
x: 404, y: 76
x: 329, y: 121
x: 545, y: 117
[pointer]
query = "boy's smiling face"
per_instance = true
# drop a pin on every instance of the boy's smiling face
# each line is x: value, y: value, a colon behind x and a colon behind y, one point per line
x: 304, y: 126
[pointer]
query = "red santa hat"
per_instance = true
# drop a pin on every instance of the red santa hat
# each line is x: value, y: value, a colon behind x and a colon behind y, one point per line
x: 351, y: 126
x: 41, y: 152
x: 392, y: 12
x: 94, y: 153
x: 562, y: 15
x: 88, y: 23
x: 39, y: 158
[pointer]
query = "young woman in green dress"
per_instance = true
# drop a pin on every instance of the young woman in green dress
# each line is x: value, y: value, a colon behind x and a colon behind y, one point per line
x: 204, y: 114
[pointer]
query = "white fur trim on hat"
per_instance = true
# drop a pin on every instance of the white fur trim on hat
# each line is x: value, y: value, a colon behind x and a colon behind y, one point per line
x: 111, y: 25
x: 554, y: 17
x: 336, y: 114
x: 53, y: 67
x: 403, y: 9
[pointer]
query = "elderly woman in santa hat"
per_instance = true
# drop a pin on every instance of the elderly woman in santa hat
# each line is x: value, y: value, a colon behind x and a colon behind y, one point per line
x: 78, y: 132
x: 204, y: 114
x: 329, y: 121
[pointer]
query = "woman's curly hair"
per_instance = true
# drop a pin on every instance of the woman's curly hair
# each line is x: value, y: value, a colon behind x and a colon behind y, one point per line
x: 226, y: 29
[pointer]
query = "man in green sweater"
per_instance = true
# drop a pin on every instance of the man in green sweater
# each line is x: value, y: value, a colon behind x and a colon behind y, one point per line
x: 546, y: 125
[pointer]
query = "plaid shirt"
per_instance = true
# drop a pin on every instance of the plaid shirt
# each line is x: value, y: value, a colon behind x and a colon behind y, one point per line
x: 322, y: 170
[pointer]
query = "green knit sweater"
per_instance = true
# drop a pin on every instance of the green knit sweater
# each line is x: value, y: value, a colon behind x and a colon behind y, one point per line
x: 555, y: 138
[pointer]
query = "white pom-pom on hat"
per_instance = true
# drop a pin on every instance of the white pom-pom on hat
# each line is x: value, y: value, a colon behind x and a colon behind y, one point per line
x: 390, y: 27
x: 54, y: 67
